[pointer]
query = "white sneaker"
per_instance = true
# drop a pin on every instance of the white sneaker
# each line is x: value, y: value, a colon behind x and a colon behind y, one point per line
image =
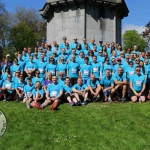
x: 109, y: 99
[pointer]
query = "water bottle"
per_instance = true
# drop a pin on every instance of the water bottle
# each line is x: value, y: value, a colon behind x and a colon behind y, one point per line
x: 140, y: 100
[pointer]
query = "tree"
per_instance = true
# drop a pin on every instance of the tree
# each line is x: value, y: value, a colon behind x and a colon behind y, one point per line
x: 31, y: 18
x: 4, y: 26
x: 131, y: 38
x: 21, y: 36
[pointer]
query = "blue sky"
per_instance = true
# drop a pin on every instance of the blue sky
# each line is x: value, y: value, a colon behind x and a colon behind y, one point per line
x: 138, y: 16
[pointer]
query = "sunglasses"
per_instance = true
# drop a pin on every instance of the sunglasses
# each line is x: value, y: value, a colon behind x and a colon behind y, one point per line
x: 138, y: 70
x: 100, y: 52
x: 37, y: 73
x: 137, y: 60
x: 8, y: 77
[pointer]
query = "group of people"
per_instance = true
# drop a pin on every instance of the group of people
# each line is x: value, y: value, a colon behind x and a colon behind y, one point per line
x: 77, y: 73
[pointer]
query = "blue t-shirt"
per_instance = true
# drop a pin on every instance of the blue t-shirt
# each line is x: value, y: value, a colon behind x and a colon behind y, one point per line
x: 107, y: 82
x: 130, y: 72
x: 96, y: 68
x: 80, y: 87
x: 85, y: 70
x: 54, y: 90
x: 51, y: 68
x: 30, y: 66
x: 14, y: 68
x: 73, y: 68
x: 73, y: 45
x: 28, y: 90
x: 118, y: 77
x: 19, y: 85
x: 138, y: 82
x: 62, y: 68
x: 41, y: 66
x: 105, y: 67
x: 94, y: 84
x: 40, y: 91
x: 67, y: 89
x: 35, y: 79
x: 8, y: 84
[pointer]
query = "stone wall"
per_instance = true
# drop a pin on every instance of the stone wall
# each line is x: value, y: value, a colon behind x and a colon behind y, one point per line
x: 81, y: 20
x: 68, y: 21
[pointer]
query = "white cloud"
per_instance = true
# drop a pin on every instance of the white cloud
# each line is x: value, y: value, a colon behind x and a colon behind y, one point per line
x: 126, y: 27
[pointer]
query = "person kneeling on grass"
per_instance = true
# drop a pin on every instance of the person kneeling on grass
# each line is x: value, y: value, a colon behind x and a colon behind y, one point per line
x: 19, y: 86
x: 53, y: 95
x: 107, y: 84
x: 28, y: 91
x: 8, y: 88
x: 137, y: 85
x: 38, y: 95
x: 80, y: 91
x: 94, y: 88
x: 68, y: 95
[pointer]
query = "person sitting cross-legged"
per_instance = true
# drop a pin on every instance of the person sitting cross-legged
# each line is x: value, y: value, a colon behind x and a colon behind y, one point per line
x: 68, y: 94
x: 80, y: 91
x: 138, y: 85
x: 38, y: 95
x: 53, y: 95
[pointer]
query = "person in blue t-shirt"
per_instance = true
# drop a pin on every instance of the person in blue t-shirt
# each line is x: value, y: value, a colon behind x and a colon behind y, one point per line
x: 67, y: 48
x: 38, y: 95
x: 94, y: 88
x: 100, y: 57
x: 8, y: 88
x: 72, y: 70
x: 28, y: 91
x: 130, y: 70
x: 138, y: 85
x: 30, y: 66
x: 119, y: 64
x: 19, y: 86
x: 85, y: 70
x: 68, y: 94
x: 37, y: 78
x: 80, y: 58
x: 51, y: 67
x: 135, y: 50
x: 53, y: 95
x: 107, y: 85
x: 100, y: 46
x: 62, y: 67
x: 96, y: 68
x: 80, y: 91
x: 62, y: 45
x: 84, y: 44
x: 120, y: 82
x: 74, y: 44
x: 41, y: 66
x: 15, y: 67
x: 92, y: 43
x: 64, y: 55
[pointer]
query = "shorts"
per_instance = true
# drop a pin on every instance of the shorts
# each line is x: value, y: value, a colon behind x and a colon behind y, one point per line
x: 132, y: 93
x: 118, y: 92
x: 106, y: 93
x: 148, y: 83
x: 68, y: 94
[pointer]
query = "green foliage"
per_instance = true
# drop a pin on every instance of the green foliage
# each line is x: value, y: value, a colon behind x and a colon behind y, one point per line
x: 131, y: 38
x: 22, y: 36
x: 96, y: 126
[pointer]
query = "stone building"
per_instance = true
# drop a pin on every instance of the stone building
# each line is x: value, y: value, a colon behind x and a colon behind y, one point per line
x: 99, y: 19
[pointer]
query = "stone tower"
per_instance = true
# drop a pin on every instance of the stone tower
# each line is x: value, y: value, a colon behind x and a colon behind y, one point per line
x: 99, y: 19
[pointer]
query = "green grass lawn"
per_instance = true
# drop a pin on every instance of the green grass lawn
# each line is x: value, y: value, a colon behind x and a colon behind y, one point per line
x: 97, y: 126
